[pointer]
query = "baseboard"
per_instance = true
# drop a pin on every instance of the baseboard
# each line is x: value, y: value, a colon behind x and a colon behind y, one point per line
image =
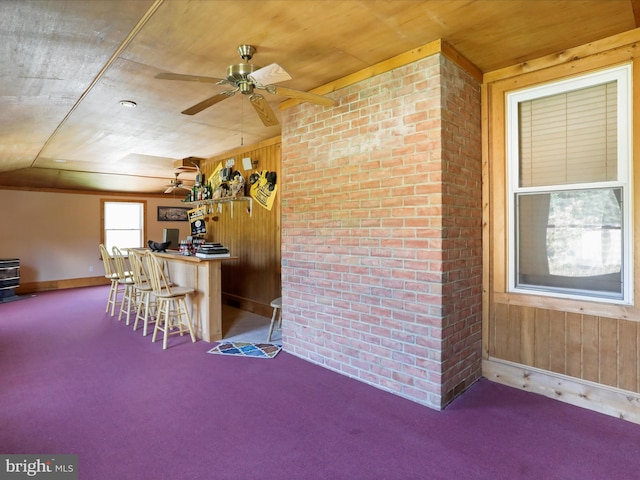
x: 247, y: 305
x: 33, y: 287
x: 582, y: 393
x: 229, y: 299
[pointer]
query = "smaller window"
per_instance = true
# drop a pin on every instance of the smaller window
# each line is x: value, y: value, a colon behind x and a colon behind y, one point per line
x: 123, y: 224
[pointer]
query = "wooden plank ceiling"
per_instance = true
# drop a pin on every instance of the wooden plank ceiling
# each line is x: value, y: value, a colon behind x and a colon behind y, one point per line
x: 66, y: 64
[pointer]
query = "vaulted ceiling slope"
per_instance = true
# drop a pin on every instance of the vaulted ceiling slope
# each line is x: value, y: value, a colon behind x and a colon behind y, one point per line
x: 65, y: 65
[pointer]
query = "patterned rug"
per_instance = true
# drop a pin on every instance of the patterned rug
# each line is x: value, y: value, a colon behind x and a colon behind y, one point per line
x: 245, y: 349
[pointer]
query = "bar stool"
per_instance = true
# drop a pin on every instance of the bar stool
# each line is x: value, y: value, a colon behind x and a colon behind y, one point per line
x: 277, y: 308
x: 172, y: 311
x: 126, y: 280
x: 110, y: 274
x: 145, y: 301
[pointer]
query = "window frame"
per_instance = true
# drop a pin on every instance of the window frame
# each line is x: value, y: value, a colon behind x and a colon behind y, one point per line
x: 622, y: 75
x: 143, y: 230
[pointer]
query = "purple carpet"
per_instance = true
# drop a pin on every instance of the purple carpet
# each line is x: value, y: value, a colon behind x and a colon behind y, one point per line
x: 76, y: 381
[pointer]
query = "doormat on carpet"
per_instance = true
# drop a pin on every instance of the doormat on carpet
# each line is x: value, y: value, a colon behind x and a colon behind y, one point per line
x: 246, y: 349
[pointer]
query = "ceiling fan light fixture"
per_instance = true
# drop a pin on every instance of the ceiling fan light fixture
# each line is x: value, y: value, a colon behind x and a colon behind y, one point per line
x: 128, y: 103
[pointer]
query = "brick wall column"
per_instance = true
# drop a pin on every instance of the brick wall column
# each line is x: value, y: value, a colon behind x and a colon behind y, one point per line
x: 381, y: 231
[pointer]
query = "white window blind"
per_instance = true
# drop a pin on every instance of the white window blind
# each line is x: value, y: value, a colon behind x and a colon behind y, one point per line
x: 569, y: 138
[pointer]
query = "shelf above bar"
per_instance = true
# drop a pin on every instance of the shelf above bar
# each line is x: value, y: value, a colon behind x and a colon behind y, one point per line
x: 220, y: 201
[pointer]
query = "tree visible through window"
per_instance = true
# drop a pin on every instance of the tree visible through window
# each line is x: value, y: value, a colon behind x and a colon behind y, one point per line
x: 123, y: 224
x: 583, y: 234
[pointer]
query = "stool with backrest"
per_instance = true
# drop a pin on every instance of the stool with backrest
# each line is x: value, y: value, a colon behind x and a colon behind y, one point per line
x: 145, y: 301
x: 171, y: 305
x: 276, y: 304
x: 110, y: 274
x: 126, y: 281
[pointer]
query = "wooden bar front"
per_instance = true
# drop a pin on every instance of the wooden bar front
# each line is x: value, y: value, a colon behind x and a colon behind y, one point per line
x: 205, y: 305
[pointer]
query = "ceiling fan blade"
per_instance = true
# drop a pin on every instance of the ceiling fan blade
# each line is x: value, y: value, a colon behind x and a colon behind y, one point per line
x: 304, y: 96
x: 188, y: 78
x: 170, y: 189
x: 218, y: 97
x: 273, y: 73
x: 263, y: 110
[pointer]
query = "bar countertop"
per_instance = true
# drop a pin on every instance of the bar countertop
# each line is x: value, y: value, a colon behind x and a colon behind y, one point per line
x: 175, y: 255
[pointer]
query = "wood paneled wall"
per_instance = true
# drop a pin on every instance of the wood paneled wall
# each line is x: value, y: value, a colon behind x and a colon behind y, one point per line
x: 591, y: 342
x: 252, y: 281
x: 598, y: 349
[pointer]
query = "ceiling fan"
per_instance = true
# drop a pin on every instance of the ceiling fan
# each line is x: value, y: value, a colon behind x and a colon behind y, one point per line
x: 246, y: 78
x: 175, y: 184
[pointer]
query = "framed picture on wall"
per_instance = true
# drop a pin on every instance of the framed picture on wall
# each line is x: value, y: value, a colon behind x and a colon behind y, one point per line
x: 173, y: 214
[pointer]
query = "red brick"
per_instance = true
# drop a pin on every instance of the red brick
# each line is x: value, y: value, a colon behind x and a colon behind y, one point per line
x: 405, y: 212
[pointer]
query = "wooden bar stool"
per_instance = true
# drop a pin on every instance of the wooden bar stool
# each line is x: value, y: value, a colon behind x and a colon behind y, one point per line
x: 126, y: 280
x: 145, y: 301
x: 172, y: 312
x: 110, y: 274
x: 277, y: 308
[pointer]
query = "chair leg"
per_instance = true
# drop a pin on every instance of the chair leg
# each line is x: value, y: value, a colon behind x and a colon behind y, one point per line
x: 161, y: 319
x: 169, y: 314
x: 149, y: 312
x: 114, y: 302
x: 128, y: 293
x: 142, y: 308
x: 183, y: 304
x: 273, y: 319
x: 113, y: 290
x: 167, y: 323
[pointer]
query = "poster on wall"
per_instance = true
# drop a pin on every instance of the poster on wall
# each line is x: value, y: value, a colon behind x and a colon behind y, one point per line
x: 196, y: 219
x: 215, y: 178
x: 172, y: 214
x: 264, y: 188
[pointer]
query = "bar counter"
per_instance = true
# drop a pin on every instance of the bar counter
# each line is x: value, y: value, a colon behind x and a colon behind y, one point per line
x: 205, y: 304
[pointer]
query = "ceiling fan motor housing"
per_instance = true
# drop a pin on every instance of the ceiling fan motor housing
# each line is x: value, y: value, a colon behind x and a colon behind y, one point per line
x: 237, y: 75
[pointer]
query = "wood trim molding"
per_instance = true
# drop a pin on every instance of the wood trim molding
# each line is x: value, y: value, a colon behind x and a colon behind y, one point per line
x: 437, y: 46
x: 247, y: 304
x: 581, y: 393
x: 102, y: 193
x: 61, y: 284
x: 635, y: 5
x: 620, y: 48
x: 568, y: 305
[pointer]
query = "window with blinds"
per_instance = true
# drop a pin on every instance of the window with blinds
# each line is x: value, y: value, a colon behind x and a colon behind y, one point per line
x: 569, y: 137
x: 569, y: 162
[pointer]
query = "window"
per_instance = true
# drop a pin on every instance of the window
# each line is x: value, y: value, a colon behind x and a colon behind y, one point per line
x: 123, y: 224
x: 569, y: 187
